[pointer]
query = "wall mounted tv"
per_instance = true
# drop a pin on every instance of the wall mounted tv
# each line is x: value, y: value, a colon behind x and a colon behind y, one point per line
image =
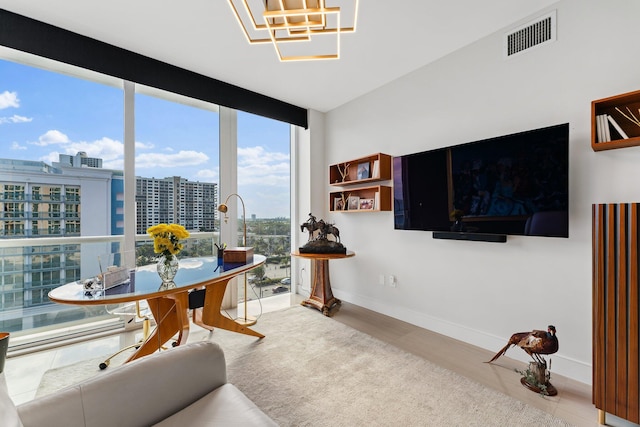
x: 509, y: 185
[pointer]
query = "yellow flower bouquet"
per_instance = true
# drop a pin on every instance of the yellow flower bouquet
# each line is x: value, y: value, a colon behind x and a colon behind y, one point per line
x: 166, y: 238
x: 166, y: 241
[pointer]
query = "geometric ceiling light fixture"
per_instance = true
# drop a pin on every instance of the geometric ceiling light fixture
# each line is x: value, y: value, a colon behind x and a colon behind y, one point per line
x: 299, y: 30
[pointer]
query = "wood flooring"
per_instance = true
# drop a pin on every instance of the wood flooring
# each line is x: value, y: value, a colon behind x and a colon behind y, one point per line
x: 572, y: 404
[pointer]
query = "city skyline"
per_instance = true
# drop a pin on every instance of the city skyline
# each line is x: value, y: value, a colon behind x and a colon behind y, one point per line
x: 44, y: 114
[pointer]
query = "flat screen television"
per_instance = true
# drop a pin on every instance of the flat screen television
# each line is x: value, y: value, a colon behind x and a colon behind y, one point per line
x: 509, y: 185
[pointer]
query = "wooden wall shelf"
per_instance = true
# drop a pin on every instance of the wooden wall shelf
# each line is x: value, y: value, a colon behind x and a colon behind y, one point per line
x: 366, y: 199
x: 353, y: 176
x: 619, y: 106
x: 352, y: 173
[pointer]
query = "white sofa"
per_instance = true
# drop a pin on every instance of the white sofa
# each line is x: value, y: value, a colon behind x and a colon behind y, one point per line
x: 183, y: 386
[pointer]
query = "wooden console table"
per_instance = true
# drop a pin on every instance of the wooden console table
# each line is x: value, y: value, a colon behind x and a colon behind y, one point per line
x: 321, y: 295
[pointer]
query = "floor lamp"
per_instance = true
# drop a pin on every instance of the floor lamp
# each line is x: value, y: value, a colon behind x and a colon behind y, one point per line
x: 246, y: 320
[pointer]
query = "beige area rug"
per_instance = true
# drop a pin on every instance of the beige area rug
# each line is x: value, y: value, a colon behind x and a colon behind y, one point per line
x: 311, y: 370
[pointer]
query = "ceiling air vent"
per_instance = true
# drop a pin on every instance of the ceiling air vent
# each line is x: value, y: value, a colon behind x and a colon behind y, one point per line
x: 536, y: 33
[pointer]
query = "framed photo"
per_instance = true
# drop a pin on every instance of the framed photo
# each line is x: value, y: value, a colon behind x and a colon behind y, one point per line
x: 354, y: 203
x: 366, y: 204
x: 363, y: 170
x: 338, y: 204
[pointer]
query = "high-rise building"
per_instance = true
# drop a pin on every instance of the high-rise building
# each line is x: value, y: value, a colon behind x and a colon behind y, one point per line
x: 79, y: 160
x: 41, y: 200
x: 175, y: 200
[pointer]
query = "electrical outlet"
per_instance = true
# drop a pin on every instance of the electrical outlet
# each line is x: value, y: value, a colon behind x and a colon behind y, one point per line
x: 392, y: 281
x: 381, y: 279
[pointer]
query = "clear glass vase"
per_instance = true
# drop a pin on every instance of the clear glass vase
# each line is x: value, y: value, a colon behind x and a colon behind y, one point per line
x: 167, y: 268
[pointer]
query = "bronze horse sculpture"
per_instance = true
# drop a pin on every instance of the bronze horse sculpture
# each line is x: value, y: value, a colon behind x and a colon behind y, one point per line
x: 324, y: 229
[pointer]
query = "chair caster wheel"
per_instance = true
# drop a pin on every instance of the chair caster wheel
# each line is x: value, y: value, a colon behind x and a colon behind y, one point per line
x: 103, y: 366
x: 174, y: 344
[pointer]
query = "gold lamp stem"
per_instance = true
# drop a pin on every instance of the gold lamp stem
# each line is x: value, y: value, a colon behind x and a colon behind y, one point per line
x: 246, y: 321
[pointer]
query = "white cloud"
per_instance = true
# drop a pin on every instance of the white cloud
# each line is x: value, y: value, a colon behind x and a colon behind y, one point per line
x: 109, y: 150
x: 181, y: 158
x: 9, y: 99
x: 105, y: 148
x: 112, y: 152
x: 207, y: 175
x: 53, y: 156
x: 16, y: 146
x: 144, y: 145
x: 52, y: 137
x: 258, y: 155
x: 256, y: 166
x: 15, y: 119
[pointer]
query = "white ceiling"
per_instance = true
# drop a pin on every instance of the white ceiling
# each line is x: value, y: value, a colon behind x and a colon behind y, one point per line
x: 393, y: 38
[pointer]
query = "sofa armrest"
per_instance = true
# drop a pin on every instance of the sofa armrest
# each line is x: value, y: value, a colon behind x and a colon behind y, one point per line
x: 8, y: 411
x: 142, y: 392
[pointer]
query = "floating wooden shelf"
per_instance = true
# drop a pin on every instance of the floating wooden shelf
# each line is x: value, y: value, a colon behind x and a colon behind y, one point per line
x: 629, y: 104
x: 367, y: 199
x: 364, y: 170
x: 351, y: 170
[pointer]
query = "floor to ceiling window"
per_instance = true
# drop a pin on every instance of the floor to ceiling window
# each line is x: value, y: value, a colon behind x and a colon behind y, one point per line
x: 63, y: 174
x: 176, y: 166
x: 264, y: 175
x: 61, y: 135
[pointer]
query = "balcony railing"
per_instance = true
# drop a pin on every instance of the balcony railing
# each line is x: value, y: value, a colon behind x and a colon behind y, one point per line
x: 26, y: 309
x: 26, y: 312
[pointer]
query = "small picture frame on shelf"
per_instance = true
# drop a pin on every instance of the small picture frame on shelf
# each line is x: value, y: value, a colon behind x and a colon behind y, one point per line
x: 354, y: 203
x: 363, y: 170
x: 366, y: 204
x: 338, y: 204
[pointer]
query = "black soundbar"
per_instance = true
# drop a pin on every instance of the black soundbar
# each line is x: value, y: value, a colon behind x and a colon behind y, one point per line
x: 475, y: 237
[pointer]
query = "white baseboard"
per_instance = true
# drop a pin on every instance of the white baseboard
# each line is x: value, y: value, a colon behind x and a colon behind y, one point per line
x: 562, y: 365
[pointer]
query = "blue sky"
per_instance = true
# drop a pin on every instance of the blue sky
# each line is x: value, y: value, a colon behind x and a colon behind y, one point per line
x: 44, y: 114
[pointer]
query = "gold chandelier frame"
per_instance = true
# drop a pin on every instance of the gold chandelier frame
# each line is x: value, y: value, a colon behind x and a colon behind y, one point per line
x: 287, y: 21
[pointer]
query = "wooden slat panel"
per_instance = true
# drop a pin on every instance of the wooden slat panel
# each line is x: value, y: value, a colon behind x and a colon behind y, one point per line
x: 616, y: 303
x: 598, y: 307
x: 621, y: 313
x: 633, y: 388
x: 610, y: 315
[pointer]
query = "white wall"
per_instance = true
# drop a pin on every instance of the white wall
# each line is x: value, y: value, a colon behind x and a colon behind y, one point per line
x: 307, y: 191
x: 483, y: 292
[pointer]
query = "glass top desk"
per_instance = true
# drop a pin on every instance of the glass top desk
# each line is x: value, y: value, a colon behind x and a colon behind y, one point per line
x: 170, y: 307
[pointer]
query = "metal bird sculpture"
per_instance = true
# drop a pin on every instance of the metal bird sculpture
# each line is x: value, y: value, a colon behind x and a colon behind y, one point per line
x: 534, y: 343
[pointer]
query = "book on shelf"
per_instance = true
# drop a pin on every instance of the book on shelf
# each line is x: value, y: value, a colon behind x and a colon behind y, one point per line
x: 617, y: 127
x: 375, y: 170
x: 599, y: 130
x: 376, y: 200
x: 602, y: 127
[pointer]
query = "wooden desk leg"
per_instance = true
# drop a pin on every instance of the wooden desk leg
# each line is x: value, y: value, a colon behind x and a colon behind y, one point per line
x: 211, y: 317
x: 171, y: 316
x: 321, y: 294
